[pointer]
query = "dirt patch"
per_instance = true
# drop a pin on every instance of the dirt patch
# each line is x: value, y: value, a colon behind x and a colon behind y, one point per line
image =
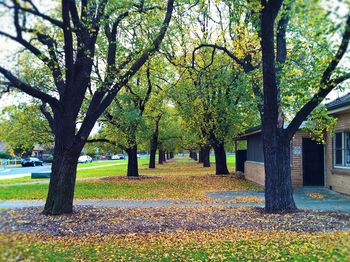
x: 102, y: 220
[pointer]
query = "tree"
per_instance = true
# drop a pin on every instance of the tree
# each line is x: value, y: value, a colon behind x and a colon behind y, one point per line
x: 124, y: 118
x: 215, y: 102
x: 311, y: 71
x: 70, y: 44
x: 23, y: 126
x: 153, y: 115
x: 276, y: 138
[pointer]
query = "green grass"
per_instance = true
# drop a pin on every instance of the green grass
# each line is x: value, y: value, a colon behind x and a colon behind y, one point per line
x: 231, y: 244
x: 119, y: 168
x: 19, y: 180
x: 164, y: 188
x: 175, y: 180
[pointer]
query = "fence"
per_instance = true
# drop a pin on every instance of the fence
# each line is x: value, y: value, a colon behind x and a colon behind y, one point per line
x: 9, y: 163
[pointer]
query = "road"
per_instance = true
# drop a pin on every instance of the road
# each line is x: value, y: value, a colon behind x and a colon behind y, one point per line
x: 15, y: 172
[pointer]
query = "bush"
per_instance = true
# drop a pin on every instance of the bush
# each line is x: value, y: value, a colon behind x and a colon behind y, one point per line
x: 5, y: 155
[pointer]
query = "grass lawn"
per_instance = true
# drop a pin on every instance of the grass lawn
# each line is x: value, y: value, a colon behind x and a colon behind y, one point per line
x: 119, y: 167
x: 231, y: 244
x: 173, y: 180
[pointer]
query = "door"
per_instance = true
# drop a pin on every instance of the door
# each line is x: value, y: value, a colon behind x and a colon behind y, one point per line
x: 241, y: 157
x: 313, y: 163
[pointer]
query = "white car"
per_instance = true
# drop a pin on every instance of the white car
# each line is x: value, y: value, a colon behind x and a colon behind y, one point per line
x: 118, y: 157
x: 84, y: 159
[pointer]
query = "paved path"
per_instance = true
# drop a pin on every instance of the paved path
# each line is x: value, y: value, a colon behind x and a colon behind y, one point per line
x: 332, y: 201
x: 16, y: 172
x: 113, y: 203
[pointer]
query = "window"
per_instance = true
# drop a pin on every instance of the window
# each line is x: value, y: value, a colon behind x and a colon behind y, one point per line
x: 342, y: 149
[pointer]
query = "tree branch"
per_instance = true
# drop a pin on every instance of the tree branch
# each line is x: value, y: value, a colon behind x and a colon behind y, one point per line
x: 53, y: 63
x: 35, y: 12
x: 326, y: 84
x: 49, y: 117
x: 104, y: 140
x: 53, y: 102
x: 68, y: 42
x: 103, y: 102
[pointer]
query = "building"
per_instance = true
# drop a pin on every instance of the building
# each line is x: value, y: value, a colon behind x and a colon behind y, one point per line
x: 337, y: 147
x: 312, y: 164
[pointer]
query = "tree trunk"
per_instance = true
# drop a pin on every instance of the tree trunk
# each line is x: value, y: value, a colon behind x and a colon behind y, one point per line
x: 62, y: 181
x: 160, y: 156
x: 164, y: 156
x: 193, y: 155
x: 152, y: 157
x: 133, y: 170
x: 167, y: 155
x: 206, y: 156
x: 278, y: 181
x: 200, y: 155
x: 220, y: 159
x: 276, y: 142
x: 171, y: 155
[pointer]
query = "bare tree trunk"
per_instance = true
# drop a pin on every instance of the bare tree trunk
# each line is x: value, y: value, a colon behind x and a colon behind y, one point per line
x: 278, y: 181
x: 63, y: 175
x: 200, y: 155
x: 206, y: 156
x: 160, y: 156
x: 220, y: 159
x: 152, y: 157
x: 276, y: 142
x: 133, y: 170
x: 193, y: 155
x: 164, y: 156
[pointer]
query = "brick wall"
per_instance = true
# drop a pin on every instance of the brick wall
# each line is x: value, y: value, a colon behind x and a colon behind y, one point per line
x: 254, y: 171
x: 337, y: 178
x: 297, y: 158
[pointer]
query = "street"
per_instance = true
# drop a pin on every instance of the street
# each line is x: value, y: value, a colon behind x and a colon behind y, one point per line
x: 15, y: 172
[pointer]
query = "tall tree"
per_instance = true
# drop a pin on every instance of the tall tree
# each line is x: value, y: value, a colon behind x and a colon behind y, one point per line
x: 215, y: 102
x: 311, y: 68
x: 124, y: 118
x: 276, y: 138
x: 71, y: 45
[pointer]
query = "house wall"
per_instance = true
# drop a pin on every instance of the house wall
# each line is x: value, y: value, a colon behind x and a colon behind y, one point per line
x: 297, y: 158
x: 254, y: 170
x: 255, y: 148
x: 338, y: 179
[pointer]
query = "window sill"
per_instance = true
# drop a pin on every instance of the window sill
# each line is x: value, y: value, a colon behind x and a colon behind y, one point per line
x: 340, y: 171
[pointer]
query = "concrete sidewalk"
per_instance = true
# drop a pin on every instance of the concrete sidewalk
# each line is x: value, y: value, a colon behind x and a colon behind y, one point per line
x: 331, y: 201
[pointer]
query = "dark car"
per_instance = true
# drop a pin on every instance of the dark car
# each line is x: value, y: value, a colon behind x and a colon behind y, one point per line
x: 31, y: 161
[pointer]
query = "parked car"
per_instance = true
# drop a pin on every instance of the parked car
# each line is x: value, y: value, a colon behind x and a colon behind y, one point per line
x: 138, y: 156
x: 118, y: 157
x: 85, y: 159
x: 31, y: 161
